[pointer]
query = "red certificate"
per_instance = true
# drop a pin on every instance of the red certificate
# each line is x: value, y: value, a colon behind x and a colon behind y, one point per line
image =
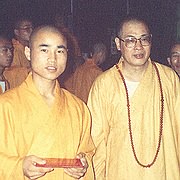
x: 61, y: 163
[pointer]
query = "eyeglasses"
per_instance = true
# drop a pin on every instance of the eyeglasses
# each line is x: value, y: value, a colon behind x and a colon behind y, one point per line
x: 6, y: 49
x: 131, y: 41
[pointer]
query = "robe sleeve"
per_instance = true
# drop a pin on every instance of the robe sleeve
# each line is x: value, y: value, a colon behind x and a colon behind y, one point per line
x: 99, y: 132
x: 86, y: 144
x: 176, y: 111
x: 11, y: 163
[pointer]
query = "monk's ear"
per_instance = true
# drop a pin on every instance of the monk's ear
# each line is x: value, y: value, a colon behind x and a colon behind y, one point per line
x: 117, y: 41
x: 169, y: 60
x: 16, y: 32
x: 27, y: 52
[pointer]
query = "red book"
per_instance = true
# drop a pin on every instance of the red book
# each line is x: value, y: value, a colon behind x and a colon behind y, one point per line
x: 61, y: 163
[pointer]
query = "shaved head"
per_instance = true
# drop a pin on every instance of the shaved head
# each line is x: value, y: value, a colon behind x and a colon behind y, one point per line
x: 42, y: 29
x: 131, y: 19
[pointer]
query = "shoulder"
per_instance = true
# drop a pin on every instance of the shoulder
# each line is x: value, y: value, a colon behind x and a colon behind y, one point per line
x: 107, y: 76
x: 169, y: 79
x: 9, y: 98
x: 166, y: 71
x: 73, y: 100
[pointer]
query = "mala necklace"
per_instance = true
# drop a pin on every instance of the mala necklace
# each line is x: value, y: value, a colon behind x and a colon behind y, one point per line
x: 129, y: 119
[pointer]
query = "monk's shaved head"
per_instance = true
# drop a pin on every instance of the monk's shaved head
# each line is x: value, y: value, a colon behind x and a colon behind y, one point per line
x: 131, y: 19
x: 42, y: 29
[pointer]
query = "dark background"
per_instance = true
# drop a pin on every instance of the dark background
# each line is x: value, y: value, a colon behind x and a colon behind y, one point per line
x: 94, y: 20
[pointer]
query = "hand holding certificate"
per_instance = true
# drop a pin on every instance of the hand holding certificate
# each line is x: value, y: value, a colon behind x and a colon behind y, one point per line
x: 61, y: 163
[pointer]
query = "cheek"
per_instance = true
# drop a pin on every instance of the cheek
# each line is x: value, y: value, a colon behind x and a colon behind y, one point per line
x: 127, y: 53
x: 62, y: 62
x: 148, y: 51
x: 174, y: 63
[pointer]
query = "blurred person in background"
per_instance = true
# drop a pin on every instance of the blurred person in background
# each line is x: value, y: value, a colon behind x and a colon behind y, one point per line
x: 174, y: 57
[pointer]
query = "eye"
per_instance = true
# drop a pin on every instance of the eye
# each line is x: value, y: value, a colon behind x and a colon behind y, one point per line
x: 61, y: 51
x: 175, y: 56
x: 5, y: 49
x: 44, y: 50
x: 130, y: 40
x: 146, y: 39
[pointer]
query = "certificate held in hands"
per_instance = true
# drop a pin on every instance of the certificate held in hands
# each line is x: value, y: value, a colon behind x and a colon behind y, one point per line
x: 61, y: 163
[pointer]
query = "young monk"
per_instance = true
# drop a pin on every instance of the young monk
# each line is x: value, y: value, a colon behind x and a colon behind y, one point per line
x: 40, y: 120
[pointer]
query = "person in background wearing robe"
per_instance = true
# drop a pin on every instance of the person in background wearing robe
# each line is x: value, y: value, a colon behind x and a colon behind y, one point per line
x: 20, y: 66
x: 16, y: 75
x: 74, y: 51
x: 6, y: 56
x: 135, y: 112
x: 174, y: 59
x: 41, y: 120
x: 85, y: 74
x: 10, y: 77
x: 22, y: 30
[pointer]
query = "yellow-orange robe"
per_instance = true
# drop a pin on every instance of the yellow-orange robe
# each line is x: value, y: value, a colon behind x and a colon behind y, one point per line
x: 15, y: 75
x: 114, y: 159
x: 1, y: 90
x: 30, y: 127
x: 82, y: 79
x: 19, y: 58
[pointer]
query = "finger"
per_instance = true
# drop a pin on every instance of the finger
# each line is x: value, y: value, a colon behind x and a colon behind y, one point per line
x: 37, y: 160
x: 72, y: 174
x: 36, y: 175
x: 75, y: 172
x: 81, y: 155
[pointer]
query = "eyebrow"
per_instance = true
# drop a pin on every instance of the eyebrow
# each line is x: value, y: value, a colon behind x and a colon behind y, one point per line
x: 175, y: 52
x: 140, y: 35
x: 59, y: 47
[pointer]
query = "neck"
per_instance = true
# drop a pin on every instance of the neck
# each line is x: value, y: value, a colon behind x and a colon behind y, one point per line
x: 133, y: 73
x: 46, y: 88
x: 23, y: 42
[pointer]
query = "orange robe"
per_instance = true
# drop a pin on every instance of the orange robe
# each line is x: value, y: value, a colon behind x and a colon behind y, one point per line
x: 19, y: 58
x: 16, y: 75
x: 82, y: 79
x: 30, y: 127
x: 114, y: 159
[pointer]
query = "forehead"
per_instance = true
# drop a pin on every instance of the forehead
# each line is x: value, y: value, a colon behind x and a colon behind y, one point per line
x: 176, y: 48
x: 48, y: 37
x: 134, y: 28
x: 5, y: 42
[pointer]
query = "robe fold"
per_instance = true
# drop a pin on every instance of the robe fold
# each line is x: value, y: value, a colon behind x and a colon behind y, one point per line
x: 82, y: 79
x: 114, y: 159
x: 30, y: 127
x: 19, y: 58
x: 15, y: 75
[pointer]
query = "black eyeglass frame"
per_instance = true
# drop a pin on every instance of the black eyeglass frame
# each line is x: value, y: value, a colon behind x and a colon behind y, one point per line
x: 140, y: 39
